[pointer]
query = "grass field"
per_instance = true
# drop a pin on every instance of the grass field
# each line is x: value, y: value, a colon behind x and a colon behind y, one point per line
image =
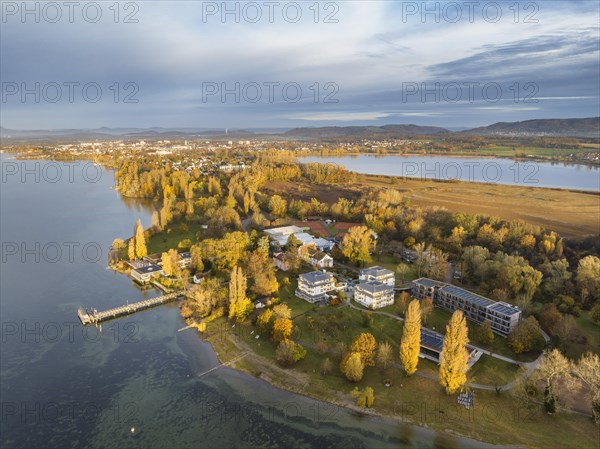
x: 511, y: 151
x: 570, y: 213
x: 496, y: 418
x: 165, y: 240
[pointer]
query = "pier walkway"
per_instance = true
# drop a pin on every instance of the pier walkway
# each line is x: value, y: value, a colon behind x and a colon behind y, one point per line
x: 92, y: 316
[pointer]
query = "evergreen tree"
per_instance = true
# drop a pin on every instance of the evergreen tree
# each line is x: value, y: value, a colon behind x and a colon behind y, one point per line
x: 410, y: 344
x: 454, y: 363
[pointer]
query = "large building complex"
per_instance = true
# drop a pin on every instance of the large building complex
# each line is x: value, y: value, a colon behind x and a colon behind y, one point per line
x: 313, y: 286
x: 503, y: 317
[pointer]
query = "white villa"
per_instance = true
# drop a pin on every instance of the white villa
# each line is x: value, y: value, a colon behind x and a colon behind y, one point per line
x: 313, y: 286
x: 374, y: 294
x: 377, y: 273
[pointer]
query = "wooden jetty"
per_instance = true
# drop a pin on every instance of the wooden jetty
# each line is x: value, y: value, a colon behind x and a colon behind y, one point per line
x: 92, y: 316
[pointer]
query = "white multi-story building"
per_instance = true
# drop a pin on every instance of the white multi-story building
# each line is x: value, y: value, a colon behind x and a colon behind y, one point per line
x: 313, y: 286
x: 374, y: 294
x: 377, y: 273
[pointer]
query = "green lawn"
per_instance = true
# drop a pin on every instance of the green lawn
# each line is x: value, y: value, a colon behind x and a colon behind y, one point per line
x: 495, y: 419
x: 439, y: 318
x: 172, y: 235
x: 491, y: 371
x: 591, y: 331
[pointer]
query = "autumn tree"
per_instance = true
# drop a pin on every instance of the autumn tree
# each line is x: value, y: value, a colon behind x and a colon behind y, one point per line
x: 170, y: 262
x: 131, y: 248
x: 410, y: 344
x: 364, y: 398
x: 402, y: 269
x: 357, y: 244
x: 140, y: 241
x: 197, y: 262
x: 550, y: 318
x: 526, y: 336
x: 264, y: 322
x: 454, y: 357
x: 587, y: 370
x: 426, y: 309
x: 282, y: 329
x: 239, y: 304
x: 261, y: 271
x: 552, y: 369
x: 484, y: 333
x: 209, y: 297
x: 403, y: 301
x: 119, y: 244
x: 289, y: 352
x: 156, y: 221
x: 365, y: 345
x: 278, y: 206
x: 326, y: 367
x: 385, y: 356
x: 588, y: 275
x: 352, y: 366
x: 282, y: 311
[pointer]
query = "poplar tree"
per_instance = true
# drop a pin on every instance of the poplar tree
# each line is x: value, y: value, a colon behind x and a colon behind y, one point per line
x: 455, y: 358
x: 239, y: 304
x: 140, y: 240
x: 131, y: 248
x: 410, y: 344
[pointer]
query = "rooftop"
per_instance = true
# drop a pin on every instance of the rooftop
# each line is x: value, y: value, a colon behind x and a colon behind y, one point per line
x: 283, y: 230
x: 471, y: 297
x: 504, y: 308
x: 316, y: 276
x: 144, y: 267
x: 376, y: 271
x: 374, y: 287
x: 428, y: 282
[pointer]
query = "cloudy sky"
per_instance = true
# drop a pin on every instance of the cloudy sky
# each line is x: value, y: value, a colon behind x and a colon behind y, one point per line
x: 286, y: 64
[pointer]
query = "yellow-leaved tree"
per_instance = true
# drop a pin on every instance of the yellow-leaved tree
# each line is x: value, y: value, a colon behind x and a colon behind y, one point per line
x: 410, y: 344
x: 455, y: 358
x: 352, y: 366
x: 239, y: 304
x: 140, y: 241
x: 365, y: 345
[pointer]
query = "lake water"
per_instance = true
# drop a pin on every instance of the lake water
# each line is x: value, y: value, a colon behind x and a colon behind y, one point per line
x: 490, y: 170
x: 66, y: 386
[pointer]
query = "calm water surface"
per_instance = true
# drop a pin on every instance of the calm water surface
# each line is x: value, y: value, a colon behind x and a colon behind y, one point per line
x: 65, y: 386
x: 490, y: 170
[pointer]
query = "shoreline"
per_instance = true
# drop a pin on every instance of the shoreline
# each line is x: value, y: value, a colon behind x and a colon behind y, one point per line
x: 273, y: 380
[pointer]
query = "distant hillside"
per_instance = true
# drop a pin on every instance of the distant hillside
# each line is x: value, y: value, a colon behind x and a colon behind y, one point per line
x: 572, y: 127
x: 364, y: 131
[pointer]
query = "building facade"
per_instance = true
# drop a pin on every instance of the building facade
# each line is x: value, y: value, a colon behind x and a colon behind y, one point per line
x: 374, y: 294
x: 377, y: 273
x: 320, y: 259
x: 313, y: 286
x: 502, y: 317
